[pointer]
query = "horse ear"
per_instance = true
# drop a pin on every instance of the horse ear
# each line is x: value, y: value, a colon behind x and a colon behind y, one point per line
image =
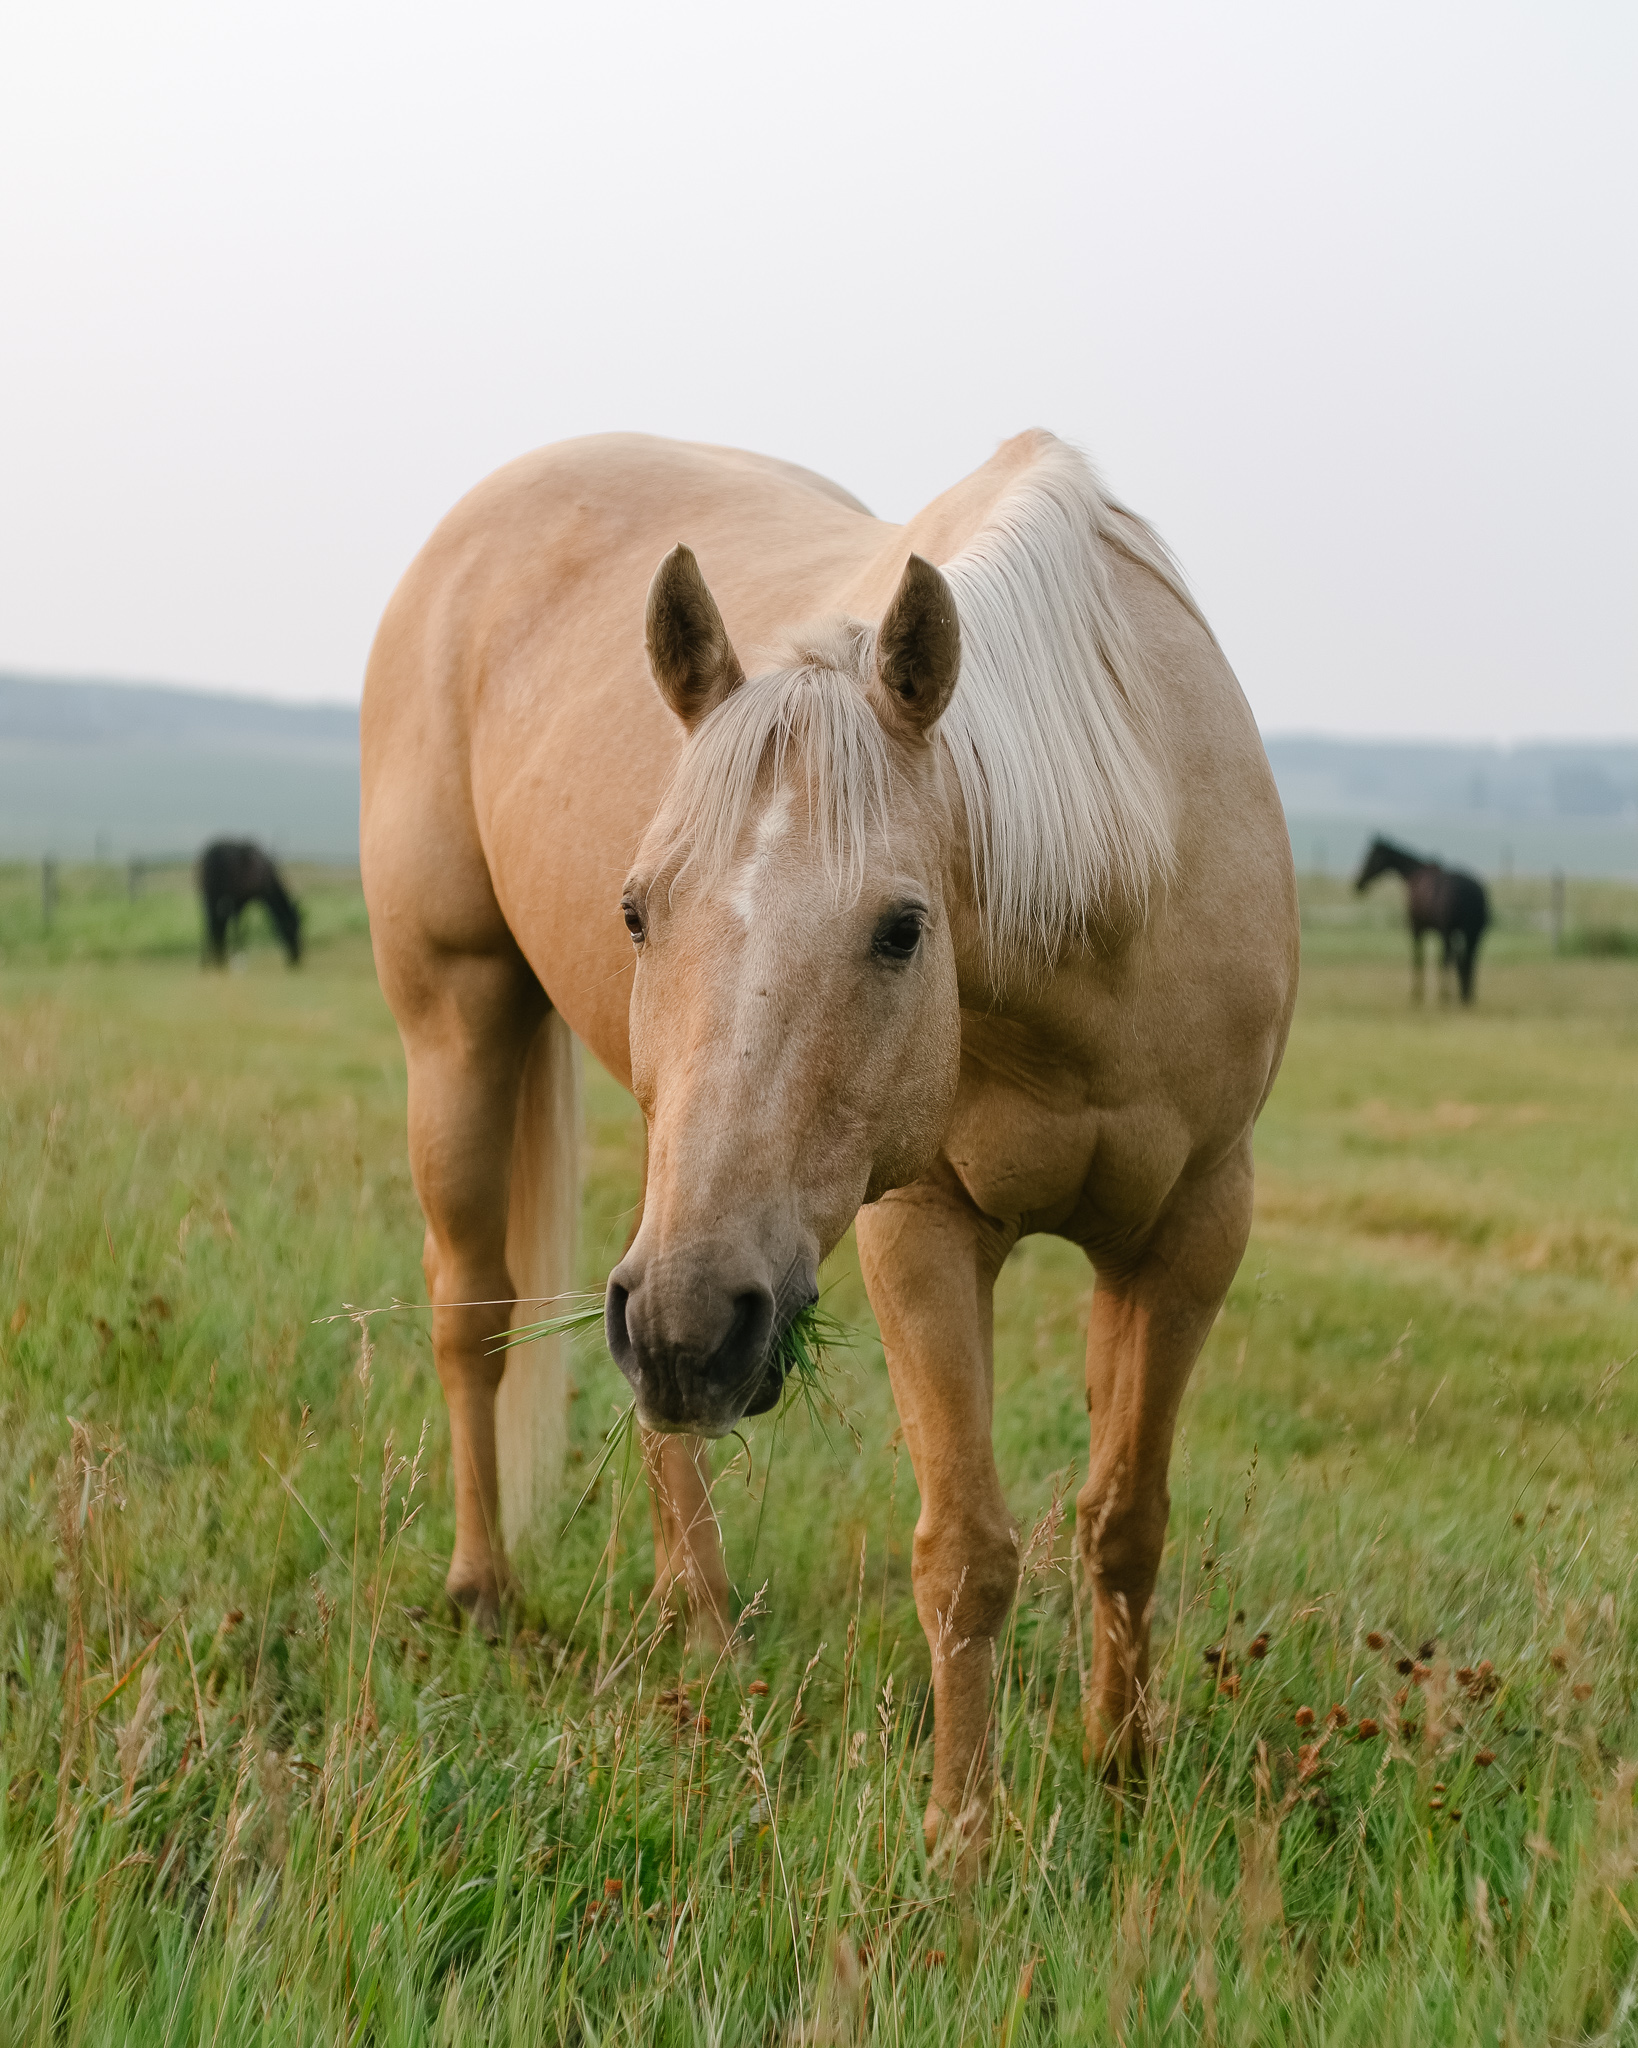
x: 918, y: 649
x: 689, y: 652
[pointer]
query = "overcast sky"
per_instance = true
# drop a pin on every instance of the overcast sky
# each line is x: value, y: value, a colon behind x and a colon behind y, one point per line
x: 1341, y: 296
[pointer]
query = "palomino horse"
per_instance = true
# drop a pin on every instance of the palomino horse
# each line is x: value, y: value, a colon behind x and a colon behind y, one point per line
x: 968, y: 912
x: 1437, y: 899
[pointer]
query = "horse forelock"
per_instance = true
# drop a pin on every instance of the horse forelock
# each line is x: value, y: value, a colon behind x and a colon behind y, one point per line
x: 1051, y: 735
x: 807, y: 719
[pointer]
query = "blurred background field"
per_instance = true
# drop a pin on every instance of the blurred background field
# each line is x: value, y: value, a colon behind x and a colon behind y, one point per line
x: 108, y: 770
x: 1405, y: 1463
x: 113, y: 771
x: 149, y: 910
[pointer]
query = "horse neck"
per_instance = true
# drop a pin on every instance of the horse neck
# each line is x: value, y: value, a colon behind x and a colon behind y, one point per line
x: 1402, y: 863
x: 1009, y: 979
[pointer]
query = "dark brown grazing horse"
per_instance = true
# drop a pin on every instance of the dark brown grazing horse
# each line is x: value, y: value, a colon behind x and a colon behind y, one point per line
x: 1437, y: 899
x: 232, y: 873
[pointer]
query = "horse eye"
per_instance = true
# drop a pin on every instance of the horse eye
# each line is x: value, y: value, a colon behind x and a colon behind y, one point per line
x: 634, y: 921
x: 899, y: 937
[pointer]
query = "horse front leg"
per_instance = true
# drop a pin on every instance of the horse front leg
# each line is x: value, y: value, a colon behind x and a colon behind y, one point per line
x: 1148, y: 1322
x: 930, y: 1259
x: 689, y: 1571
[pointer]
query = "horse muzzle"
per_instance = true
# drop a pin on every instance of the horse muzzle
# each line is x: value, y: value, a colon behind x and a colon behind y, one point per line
x: 696, y: 1340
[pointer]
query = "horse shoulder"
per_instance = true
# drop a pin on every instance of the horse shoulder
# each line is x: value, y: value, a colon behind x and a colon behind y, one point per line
x: 1155, y: 1045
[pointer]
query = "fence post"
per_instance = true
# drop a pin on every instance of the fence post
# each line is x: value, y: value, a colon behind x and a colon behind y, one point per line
x: 1555, y: 910
x: 133, y: 879
x: 48, y: 891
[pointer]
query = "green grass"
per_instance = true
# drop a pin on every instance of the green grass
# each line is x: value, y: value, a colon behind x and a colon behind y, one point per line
x: 804, y: 1353
x: 257, y: 1788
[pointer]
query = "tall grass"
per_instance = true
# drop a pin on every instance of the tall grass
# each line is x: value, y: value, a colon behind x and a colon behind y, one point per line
x: 482, y: 1847
x: 259, y: 1787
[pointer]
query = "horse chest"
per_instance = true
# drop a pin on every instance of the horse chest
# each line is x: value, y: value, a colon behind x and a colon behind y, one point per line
x: 1017, y: 1159
x: 1060, y: 1159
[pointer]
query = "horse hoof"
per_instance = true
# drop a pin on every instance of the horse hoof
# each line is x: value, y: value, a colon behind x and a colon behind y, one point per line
x: 710, y: 1636
x: 1118, y: 1759
x: 704, y: 1630
x: 479, y: 1606
x: 956, y: 1842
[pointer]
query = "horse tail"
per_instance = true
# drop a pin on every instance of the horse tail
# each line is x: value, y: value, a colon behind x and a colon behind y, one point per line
x: 531, y: 1407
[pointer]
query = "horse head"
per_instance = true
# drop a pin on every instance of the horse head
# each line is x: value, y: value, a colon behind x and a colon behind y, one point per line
x: 285, y: 912
x: 795, y: 1030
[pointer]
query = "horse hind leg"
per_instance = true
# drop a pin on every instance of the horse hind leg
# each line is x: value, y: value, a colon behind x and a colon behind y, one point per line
x: 1147, y: 1326
x: 1466, y: 961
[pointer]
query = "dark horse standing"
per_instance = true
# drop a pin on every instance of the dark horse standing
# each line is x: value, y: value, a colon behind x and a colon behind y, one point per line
x: 1438, y: 899
x: 232, y: 873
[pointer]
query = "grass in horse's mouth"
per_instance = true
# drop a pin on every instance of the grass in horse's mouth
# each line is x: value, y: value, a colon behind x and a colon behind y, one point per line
x: 802, y: 1355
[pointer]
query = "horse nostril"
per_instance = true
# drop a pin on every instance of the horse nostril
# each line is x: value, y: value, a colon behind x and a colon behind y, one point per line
x: 615, y: 1331
x: 747, y: 1340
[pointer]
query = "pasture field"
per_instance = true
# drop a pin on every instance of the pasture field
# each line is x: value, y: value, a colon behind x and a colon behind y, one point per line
x: 255, y: 1787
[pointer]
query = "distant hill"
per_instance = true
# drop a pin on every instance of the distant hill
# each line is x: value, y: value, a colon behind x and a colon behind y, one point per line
x: 103, y: 769
x: 109, y: 770
x: 1522, y: 810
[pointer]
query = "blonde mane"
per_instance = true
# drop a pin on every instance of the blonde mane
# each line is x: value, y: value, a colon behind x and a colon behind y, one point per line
x: 1051, y: 732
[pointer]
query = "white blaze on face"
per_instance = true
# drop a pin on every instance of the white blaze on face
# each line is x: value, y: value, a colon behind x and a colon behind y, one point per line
x: 771, y: 828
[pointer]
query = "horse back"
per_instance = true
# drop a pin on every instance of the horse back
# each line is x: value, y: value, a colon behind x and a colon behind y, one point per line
x: 236, y: 870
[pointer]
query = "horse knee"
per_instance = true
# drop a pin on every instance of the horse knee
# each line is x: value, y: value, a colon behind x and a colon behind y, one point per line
x: 1121, y: 1528
x: 965, y: 1575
